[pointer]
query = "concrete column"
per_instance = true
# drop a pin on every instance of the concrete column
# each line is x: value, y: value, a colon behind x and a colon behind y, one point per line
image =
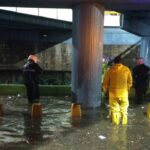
x: 145, y: 50
x: 87, y: 54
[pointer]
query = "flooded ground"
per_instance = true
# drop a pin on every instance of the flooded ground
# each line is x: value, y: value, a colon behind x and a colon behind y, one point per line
x: 56, y: 130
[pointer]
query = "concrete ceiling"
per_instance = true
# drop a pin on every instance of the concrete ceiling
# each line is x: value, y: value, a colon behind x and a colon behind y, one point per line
x: 23, y: 27
x: 118, y: 5
x: 136, y: 12
x: 136, y: 22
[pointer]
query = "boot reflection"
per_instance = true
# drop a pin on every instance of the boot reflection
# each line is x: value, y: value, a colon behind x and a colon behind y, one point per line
x: 119, y: 137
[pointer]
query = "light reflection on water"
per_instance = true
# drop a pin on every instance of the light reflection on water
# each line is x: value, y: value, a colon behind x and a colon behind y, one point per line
x: 92, y: 131
x: 17, y: 125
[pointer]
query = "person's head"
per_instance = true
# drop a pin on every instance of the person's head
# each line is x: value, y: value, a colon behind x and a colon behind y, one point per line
x: 117, y: 60
x: 140, y: 61
x: 33, y: 58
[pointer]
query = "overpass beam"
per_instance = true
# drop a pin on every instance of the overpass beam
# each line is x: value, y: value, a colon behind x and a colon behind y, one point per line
x: 145, y: 50
x: 136, y: 24
x: 87, y: 54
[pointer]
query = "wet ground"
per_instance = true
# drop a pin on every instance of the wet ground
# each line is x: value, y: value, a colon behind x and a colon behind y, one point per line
x: 56, y: 130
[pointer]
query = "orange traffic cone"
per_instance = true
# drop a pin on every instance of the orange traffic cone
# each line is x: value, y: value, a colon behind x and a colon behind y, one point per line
x: 36, y: 110
x: 75, y: 110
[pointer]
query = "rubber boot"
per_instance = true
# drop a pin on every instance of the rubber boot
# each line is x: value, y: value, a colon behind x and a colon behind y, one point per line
x: 148, y: 111
x: 124, y: 119
x: 115, y: 118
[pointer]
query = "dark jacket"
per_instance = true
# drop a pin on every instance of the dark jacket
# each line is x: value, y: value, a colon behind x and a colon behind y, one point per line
x: 31, y: 72
x: 141, y: 75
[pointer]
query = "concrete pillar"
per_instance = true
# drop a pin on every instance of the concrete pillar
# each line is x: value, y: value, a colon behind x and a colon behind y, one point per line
x: 145, y: 50
x: 87, y: 54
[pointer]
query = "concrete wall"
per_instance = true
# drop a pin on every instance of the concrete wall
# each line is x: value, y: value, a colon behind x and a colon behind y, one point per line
x: 57, y: 59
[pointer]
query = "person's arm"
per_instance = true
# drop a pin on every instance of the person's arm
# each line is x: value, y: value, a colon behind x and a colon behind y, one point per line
x: 129, y: 80
x: 134, y: 76
x: 39, y: 70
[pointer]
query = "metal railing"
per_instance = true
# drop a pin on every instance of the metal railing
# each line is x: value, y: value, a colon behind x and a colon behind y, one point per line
x: 127, y: 51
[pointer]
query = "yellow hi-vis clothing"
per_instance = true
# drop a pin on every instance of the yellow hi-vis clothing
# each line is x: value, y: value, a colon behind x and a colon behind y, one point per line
x: 118, y: 81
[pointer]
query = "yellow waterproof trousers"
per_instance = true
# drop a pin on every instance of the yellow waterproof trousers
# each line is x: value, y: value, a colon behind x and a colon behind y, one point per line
x: 118, y: 109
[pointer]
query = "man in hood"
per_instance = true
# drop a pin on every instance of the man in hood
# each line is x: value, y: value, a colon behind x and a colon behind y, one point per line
x: 141, y: 74
x: 31, y: 72
x: 117, y: 81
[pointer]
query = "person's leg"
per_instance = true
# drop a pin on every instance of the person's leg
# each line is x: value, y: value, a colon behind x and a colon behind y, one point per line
x: 124, y: 104
x: 115, y: 110
x: 36, y: 92
x: 145, y: 88
x: 139, y: 95
x: 29, y: 89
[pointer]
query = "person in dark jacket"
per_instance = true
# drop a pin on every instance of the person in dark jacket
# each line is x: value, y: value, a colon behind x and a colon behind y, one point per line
x: 141, y: 74
x: 31, y: 72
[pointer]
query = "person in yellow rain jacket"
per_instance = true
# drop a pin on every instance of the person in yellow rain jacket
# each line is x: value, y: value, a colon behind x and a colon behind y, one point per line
x: 117, y: 81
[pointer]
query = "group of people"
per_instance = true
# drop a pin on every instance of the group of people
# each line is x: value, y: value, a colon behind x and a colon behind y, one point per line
x: 117, y: 82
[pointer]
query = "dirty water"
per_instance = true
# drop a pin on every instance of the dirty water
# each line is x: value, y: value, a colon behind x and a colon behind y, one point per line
x: 56, y: 130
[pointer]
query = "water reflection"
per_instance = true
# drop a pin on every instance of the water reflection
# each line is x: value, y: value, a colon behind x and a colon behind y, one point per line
x: 89, y: 117
x: 17, y: 125
x: 32, y: 129
x: 119, y: 137
x: 56, y: 126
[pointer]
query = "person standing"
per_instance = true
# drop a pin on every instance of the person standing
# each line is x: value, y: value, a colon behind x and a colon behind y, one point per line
x: 141, y: 74
x: 117, y: 82
x: 31, y: 72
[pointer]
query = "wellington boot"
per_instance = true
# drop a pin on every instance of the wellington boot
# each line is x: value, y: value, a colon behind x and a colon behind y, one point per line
x: 115, y: 118
x: 148, y: 111
x: 75, y: 110
x: 124, y: 119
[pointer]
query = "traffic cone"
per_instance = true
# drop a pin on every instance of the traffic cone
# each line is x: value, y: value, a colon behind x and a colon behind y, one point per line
x: 75, y: 110
x: 148, y: 111
x: 36, y: 110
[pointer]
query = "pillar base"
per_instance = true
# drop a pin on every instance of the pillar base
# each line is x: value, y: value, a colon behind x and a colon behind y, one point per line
x: 75, y: 110
x: 36, y: 110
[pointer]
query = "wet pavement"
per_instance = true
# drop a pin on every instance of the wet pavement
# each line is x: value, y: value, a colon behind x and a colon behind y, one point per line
x: 56, y: 130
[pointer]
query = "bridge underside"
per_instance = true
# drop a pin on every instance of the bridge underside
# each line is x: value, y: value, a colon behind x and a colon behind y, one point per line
x: 118, y: 5
x: 26, y: 34
x: 136, y: 12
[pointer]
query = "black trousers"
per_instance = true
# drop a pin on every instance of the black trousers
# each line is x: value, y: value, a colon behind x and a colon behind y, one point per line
x: 32, y: 92
x: 140, y: 92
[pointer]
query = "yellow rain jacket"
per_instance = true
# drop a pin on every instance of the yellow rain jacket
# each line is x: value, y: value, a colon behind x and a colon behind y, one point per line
x: 117, y: 81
